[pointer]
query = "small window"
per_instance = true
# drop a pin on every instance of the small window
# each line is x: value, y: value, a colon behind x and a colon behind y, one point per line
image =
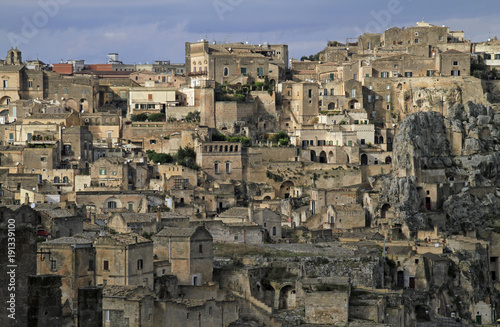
x: 440, y: 38
x: 106, y: 314
x: 53, y: 265
x: 200, y: 248
x: 228, y: 168
x: 455, y: 63
x: 226, y: 73
x: 416, y: 40
x: 416, y: 261
x: 102, y: 171
x: 216, y: 168
x: 114, y: 173
x: 152, y: 141
x: 353, y: 93
x: 243, y: 71
x: 44, y: 159
x: 105, y: 265
x: 139, y: 264
x: 30, y: 84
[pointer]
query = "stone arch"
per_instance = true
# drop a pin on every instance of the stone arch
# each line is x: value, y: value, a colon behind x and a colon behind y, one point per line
x: 331, y: 106
x: 322, y: 157
x: 108, y: 203
x: 287, y: 297
x: 5, y: 100
x: 331, y: 158
x: 384, y: 209
x: 267, y: 198
x: 364, y: 159
x: 352, y: 103
x: 388, y: 160
x: 285, y: 189
x: 71, y: 104
x: 313, y: 155
x: 84, y: 105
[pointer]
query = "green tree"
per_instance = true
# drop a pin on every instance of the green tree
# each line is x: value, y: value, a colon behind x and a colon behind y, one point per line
x: 156, y: 117
x: 139, y: 117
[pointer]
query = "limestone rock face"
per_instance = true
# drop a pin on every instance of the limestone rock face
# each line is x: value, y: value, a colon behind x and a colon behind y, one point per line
x: 420, y: 142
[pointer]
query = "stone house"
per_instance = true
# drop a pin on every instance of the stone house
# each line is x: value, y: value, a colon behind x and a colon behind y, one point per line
x: 131, y: 306
x: 190, y: 251
x: 235, y: 63
x: 76, y: 147
x: 110, y: 173
x: 105, y: 201
x: 153, y: 99
x: 127, y: 222
x: 124, y: 259
x: 104, y: 126
x: 73, y: 258
x: 221, y: 160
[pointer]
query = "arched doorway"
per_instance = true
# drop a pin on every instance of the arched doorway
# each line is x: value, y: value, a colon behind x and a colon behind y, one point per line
x: 4, y: 101
x: 313, y: 155
x: 364, y: 159
x: 330, y: 157
x: 384, y: 209
x: 287, y: 297
x: 285, y: 189
x: 388, y: 160
x: 322, y: 157
x: 331, y: 106
x: 352, y: 104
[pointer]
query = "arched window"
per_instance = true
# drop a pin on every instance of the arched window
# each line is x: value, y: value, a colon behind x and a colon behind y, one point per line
x: 57, y: 179
x: 65, y: 179
x: 226, y: 71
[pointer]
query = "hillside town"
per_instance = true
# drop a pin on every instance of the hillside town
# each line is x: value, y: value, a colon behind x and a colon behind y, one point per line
x: 242, y: 187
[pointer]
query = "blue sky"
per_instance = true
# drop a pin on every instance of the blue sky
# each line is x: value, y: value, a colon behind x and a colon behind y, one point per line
x: 147, y: 30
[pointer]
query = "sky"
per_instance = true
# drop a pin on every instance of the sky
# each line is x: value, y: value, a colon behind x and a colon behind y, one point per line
x: 143, y: 31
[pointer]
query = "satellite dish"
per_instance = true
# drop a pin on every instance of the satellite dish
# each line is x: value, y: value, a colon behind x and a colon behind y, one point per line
x: 33, y: 206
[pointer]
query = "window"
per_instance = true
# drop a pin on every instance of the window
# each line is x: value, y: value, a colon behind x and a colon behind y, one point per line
x: 274, y: 230
x: 56, y: 179
x: 349, y: 143
x: 416, y: 40
x: 384, y: 74
x: 111, y: 205
x: 216, y: 168
x: 430, y: 73
x: 408, y: 74
x: 226, y: 71
x: 353, y: 93
x: 44, y: 159
x: 131, y: 206
x: 11, y: 136
x: 65, y: 180
x: 5, y: 84
x: 310, y: 92
x: 102, y: 171
x: 388, y: 98
x: 65, y: 90
x: 369, y: 98
x: 260, y: 71
x: 123, y: 94
x: 105, y: 265
x: 30, y: 84
x: 228, y: 167
x: 355, y: 76
x: 139, y: 264
x: 497, y: 56
x: 455, y: 63
x: 114, y: 173
x: 53, y: 265
x: 200, y: 248
x: 440, y: 38
x: 106, y: 315
x: 243, y: 71
x: 332, y: 77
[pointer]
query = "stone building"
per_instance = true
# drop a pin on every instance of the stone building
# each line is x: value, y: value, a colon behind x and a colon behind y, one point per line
x: 190, y: 251
x: 72, y: 258
x: 221, y: 160
x: 235, y: 63
x: 131, y: 306
x: 124, y: 259
x: 110, y: 174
